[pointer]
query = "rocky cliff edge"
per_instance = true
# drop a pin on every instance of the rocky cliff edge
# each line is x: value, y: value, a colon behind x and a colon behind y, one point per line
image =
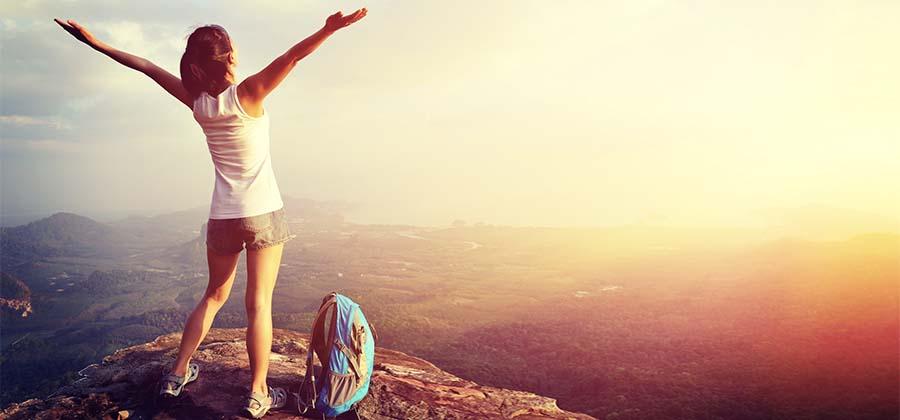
x: 123, y: 386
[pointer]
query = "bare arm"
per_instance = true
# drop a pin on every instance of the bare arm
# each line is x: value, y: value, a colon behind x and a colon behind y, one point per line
x: 166, y: 80
x: 256, y: 87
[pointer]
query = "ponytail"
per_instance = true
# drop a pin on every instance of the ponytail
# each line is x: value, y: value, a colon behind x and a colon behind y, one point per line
x: 204, y: 64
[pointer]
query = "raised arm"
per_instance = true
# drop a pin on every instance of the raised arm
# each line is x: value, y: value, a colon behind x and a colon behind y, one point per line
x: 256, y: 87
x: 168, y: 81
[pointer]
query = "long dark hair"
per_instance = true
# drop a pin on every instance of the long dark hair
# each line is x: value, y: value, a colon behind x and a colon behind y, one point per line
x: 204, y: 64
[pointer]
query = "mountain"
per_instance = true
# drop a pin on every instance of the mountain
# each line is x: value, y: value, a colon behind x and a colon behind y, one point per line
x: 65, y: 234
x: 164, y: 229
x: 184, y: 222
x: 61, y: 235
x: 631, y: 323
x: 123, y: 386
x: 187, y: 228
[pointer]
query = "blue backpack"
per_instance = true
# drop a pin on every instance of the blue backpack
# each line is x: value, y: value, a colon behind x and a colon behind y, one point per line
x: 344, y: 341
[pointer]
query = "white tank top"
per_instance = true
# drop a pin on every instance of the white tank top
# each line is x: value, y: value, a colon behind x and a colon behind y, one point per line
x: 239, y: 147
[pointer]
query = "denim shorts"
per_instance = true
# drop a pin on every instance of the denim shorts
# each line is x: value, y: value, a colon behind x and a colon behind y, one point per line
x: 228, y: 236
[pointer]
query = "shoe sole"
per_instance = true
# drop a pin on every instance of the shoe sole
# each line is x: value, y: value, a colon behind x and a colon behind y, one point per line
x: 254, y: 415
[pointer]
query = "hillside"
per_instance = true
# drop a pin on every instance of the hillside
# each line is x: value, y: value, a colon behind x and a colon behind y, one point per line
x: 15, y: 297
x: 628, y: 323
x: 62, y: 235
x: 402, y: 386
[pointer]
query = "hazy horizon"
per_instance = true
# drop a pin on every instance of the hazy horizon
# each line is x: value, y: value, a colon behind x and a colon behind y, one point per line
x: 574, y: 114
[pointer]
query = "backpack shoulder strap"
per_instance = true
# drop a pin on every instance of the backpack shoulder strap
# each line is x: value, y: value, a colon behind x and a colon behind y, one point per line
x: 329, y: 341
x: 372, y: 328
x: 317, y: 332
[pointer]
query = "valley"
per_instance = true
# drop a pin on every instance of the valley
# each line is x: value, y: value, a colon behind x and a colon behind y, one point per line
x: 626, y: 323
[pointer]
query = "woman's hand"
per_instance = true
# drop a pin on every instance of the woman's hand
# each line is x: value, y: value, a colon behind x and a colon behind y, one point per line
x: 79, y: 32
x: 338, y: 20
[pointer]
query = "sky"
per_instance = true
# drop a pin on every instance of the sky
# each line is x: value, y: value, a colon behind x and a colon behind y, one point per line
x: 526, y: 113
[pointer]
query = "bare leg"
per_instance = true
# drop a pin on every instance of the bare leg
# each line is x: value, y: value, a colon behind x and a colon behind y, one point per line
x: 221, y: 278
x: 262, y: 271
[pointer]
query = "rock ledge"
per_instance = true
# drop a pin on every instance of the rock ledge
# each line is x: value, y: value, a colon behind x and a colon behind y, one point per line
x: 403, y: 387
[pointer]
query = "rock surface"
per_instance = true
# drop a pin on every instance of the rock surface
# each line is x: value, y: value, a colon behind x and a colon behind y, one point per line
x: 16, y: 307
x: 403, y: 387
x: 15, y: 297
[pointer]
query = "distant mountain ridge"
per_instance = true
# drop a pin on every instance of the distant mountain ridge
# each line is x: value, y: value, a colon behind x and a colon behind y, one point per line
x: 297, y: 209
x: 61, y: 234
x: 66, y: 234
x: 61, y: 226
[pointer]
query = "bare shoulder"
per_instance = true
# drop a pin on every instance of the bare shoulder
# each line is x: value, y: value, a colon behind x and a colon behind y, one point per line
x: 251, y: 106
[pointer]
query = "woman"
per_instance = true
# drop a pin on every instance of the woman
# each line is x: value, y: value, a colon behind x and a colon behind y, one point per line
x: 246, y: 205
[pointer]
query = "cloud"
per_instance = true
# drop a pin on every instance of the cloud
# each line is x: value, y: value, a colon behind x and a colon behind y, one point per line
x: 42, y: 66
x: 20, y: 129
x: 7, y: 24
x: 152, y: 41
x: 39, y: 145
x: 613, y: 104
x: 70, y: 92
x: 26, y: 120
x: 124, y: 34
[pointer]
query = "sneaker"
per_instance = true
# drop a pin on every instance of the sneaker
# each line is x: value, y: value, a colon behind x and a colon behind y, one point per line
x: 258, y: 404
x: 173, y: 384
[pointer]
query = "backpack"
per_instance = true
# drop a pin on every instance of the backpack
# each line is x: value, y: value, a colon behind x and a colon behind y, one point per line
x: 343, y: 340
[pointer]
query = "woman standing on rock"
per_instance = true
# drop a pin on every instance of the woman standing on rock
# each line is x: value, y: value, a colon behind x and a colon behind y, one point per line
x: 246, y: 204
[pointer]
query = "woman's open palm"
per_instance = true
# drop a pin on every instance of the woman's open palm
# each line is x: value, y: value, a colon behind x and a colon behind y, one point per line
x: 78, y: 31
x: 338, y: 20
